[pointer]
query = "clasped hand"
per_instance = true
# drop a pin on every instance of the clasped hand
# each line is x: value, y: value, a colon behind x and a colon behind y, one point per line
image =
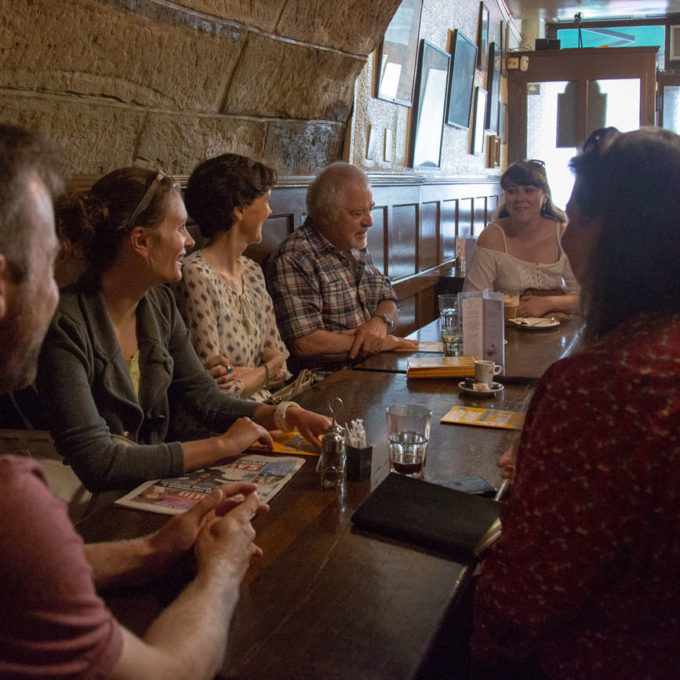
x: 218, y: 528
x: 371, y: 337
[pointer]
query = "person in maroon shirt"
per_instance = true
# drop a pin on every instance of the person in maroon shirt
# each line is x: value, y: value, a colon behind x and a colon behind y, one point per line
x: 583, y: 581
x: 53, y: 623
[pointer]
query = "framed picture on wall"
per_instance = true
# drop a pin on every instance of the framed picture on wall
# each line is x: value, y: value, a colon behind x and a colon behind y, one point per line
x: 461, y: 80
x: 503, y: 122
x: 478, y: 129
x: 427, y: 119
x: 397, y: 54
x: 482, y: 36
x: 493, y: 85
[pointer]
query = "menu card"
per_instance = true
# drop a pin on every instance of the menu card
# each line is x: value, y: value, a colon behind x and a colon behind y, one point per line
x: 483, y: 325
x: 485, y: 417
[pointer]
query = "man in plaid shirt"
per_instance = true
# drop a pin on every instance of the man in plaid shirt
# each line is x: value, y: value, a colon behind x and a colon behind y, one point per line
x: 332, y: 304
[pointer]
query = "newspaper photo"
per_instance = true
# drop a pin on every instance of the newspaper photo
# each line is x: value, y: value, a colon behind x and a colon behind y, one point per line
x: 177, y: 494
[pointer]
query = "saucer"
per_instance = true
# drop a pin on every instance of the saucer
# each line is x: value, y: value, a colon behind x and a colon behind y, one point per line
x: 533, y: 323
x: 495, y: 388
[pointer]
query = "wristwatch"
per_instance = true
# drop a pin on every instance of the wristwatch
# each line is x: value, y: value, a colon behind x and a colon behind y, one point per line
x: 388, y: 321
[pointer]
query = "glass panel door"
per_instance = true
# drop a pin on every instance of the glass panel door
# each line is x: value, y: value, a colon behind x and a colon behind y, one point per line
x: 548, y: 104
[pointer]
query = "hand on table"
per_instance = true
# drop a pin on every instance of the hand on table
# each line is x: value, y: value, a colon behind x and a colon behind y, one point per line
x: 534, y: 305
x: 309, y: 424
x: 392, y: 342
x: 178, y: 535
x: 368, y: 337
x: 241, y: 435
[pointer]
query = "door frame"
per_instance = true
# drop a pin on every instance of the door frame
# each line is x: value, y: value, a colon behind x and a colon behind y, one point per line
x: 581, y: 65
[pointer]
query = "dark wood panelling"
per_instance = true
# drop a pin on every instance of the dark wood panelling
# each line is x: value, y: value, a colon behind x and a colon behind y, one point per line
x: 465, y: 217
x: 491, y: 207
x: 401, y: 241
x: 479, y: 220
x: 448, y: 227
x: 274, y: 230
x: 376, y: 237
x: 428, y: 244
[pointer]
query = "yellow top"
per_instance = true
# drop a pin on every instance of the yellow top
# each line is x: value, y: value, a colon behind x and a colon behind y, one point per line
x: 133, y: 369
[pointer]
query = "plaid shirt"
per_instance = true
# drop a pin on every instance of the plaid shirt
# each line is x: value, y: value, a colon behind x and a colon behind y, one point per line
x: 315, y: 288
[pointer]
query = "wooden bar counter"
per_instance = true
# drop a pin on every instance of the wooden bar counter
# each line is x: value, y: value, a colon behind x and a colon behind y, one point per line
x: 325, y: 601
x: 528, y: 353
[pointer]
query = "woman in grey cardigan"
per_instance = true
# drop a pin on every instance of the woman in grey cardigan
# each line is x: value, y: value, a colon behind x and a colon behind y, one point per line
x: 118, y: 360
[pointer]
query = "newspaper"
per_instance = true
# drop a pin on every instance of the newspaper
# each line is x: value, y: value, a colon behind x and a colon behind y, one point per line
x: 177, y: 494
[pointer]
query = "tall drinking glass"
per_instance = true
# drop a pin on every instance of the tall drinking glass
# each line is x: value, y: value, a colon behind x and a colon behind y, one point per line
x: 449, y: 324
x: 408, y: 432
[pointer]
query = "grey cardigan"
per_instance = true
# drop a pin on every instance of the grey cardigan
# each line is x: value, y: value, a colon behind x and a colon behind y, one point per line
x: 85, y: 387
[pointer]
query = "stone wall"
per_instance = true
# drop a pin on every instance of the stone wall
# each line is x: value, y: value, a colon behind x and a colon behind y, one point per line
x: 154, y: 82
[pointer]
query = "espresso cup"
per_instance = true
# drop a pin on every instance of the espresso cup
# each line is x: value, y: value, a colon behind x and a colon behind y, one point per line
x: 485, y: 371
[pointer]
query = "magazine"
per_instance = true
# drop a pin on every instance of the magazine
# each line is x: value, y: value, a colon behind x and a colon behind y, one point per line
x: 485, y: 417
x: 177, y: 494
x: 286, y: 442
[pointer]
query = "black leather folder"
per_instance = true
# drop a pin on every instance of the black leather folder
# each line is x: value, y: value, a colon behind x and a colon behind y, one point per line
x: 428, y: 515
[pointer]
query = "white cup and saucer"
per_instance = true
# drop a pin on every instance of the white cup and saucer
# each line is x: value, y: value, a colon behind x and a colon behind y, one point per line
x: 483, y: 384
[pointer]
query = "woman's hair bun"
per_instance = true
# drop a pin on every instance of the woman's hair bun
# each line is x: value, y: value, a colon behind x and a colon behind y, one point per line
x: 78, y: 214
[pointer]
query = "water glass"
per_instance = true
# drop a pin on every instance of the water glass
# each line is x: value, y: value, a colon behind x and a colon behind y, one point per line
x: 408, y: 432
x: 449, y: 324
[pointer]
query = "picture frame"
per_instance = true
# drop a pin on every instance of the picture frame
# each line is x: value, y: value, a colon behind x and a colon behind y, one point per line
x: 429, y: 104
x: 493, y: 86
x: 461, y: 80
x: 478, y: 129
x: 503, y: 123
x: 493, y: 145
x: 397, y: 54
x: 482, y: 36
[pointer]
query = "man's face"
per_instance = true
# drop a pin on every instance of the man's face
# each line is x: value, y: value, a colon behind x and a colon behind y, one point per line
x: 347, y: 229
x: 30, y: 303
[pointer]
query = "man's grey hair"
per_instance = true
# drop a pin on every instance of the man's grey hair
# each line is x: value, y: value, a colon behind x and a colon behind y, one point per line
x: 22, y: 153
x: 326, y: 193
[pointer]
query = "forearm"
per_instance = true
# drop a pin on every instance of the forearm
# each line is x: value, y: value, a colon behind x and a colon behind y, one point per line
x: 205, y: 608
x: 326, y: 344
x: 188, y: 640
x: 389, y: 308
x: 203, y: 452
x: 123, y: 561
x: 254, y: 379
x: 569, y: 304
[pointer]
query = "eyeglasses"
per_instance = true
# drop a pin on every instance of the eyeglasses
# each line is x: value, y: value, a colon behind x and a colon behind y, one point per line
x: 600, y: 140
x: 146, y: 198
x: 536, y: 161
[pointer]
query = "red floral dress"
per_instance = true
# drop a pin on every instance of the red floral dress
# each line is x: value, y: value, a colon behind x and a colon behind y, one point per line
x: 586, y: 575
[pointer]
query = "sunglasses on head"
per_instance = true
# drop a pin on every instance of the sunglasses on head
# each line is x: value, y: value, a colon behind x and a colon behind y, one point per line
x: 147, y: 197
x: 599, y: 140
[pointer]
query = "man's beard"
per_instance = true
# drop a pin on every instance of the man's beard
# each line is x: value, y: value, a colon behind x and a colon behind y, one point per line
x: 18, y: 353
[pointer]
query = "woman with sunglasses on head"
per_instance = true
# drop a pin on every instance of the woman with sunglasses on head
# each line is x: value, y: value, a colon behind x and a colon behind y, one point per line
x: 118, y: 360
x: 520, y: 253
x: 583, y: 579
x: 222, y: 294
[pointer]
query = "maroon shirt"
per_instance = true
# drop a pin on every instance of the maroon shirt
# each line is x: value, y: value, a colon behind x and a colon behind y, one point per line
x: 586, y: 574
x: 52, y: 623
